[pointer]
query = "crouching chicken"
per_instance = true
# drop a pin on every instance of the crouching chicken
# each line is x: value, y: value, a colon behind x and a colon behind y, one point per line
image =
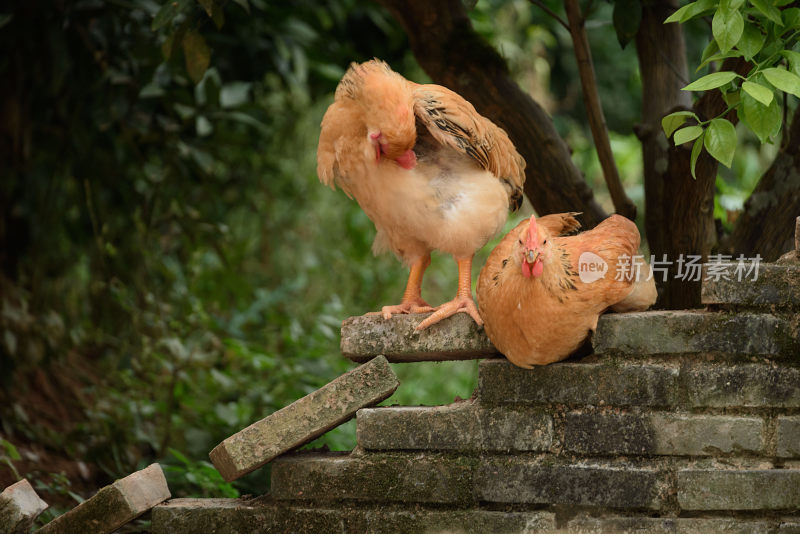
x: 541, y: 291
x: 428, y: 170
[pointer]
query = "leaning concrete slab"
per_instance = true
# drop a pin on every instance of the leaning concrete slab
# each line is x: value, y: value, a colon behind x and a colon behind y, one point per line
x: 113, y: 506
x: 305, y: 419
x: 454, y: 338
x: 19, y: 508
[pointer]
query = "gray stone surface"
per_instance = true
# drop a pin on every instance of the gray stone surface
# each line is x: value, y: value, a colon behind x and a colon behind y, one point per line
x: 745, y: 385
x: 262, y: 516
x: 19, y: 508
x: 546, y: 480
x: 304, y: 419
x: 776, y: 285
x: 681, y: 332
x: 662, y: 434
x: 738, y: 489
x: 789, y: 437
x: 384, y: 477
x: 668, y: 525
x: 454, y: 338
x: 462, y: 426
x: 608, y: 382
x: 113, y: 506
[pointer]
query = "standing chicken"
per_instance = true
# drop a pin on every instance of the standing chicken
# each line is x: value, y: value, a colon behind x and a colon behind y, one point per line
x: 428, y: 170
x: 541, y: 293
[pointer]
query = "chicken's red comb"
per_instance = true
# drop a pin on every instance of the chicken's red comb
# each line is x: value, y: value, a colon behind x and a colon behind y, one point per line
x: 533, y: 234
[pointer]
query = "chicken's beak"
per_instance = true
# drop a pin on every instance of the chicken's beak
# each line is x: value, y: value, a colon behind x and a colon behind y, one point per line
x: 531, y: 256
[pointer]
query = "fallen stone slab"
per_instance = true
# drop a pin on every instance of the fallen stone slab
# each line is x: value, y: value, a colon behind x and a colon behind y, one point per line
x: 776, y: 285
x: 263, y: 516
x: 669, y: 525
x: 305, y: 419
x: 115, y: 505
x: 690, y: 332
x: 739, y: 489
x: 454, y: 338
x: 461, y: 426
x: 19, y: 508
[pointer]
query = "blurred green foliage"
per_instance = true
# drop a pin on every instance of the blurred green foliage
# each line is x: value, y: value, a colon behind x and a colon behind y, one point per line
x: 166, y: 246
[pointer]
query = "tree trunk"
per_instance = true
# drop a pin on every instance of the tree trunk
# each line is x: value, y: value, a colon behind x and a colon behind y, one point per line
x: 766, y: 226
x: 454, y: 55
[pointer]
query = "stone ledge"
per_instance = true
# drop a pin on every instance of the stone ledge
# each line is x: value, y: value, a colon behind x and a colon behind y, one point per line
x: 462, y: 426
x: 740, y: 489
x: 618, y: 383
x: 662, y: 434
x: 304, y: 419
x: 19, y: 508
x: 669, y: 525
x: 454, y: 338
x: 777, y: 285
x: 691, y: 332
x: 789, y: 437
x: 262, y: 516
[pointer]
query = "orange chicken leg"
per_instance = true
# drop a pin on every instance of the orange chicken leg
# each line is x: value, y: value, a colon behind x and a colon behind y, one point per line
x: 412, y: 300
x: 463, y: 301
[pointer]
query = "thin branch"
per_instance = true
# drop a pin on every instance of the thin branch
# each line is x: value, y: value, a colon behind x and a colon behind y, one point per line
x: 550, y: 12
x: 597, y: 121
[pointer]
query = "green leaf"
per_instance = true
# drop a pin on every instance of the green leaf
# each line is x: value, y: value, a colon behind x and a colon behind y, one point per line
x: 727, y: 27
x: 711, y: 81
x: 711, y: 49
x: 690, y: 11
x: 720, y: 141
x: 759, y: 92
x: 770, y: 11
x: 794, y: 60
x: 765, y: 121
x: 675, y: 120
x: 197, y: 55
x: 791, y: 18
x: 165, y: 15
x: 784, y: 80
x: 751, y: 42
x: 627, y: 17
x: 684, y: 135
x: 696, y: 149
x: 719, y: 57
x: 731, y: 98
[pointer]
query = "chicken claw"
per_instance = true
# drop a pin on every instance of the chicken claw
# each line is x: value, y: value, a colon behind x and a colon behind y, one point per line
x: 459, y: 304
x: 412, y: 306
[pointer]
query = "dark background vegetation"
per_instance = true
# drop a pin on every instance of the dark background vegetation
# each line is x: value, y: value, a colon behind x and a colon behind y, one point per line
x: 170, y: 268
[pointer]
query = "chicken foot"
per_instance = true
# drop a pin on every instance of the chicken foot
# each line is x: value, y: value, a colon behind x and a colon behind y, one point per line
x: 412, y: 297
x: 463, y: 301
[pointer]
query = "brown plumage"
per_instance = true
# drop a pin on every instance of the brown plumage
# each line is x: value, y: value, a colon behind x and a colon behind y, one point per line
x: 429, y: 171
x: 537, y: 304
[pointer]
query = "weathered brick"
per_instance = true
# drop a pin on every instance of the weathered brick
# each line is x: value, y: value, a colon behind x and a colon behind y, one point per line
x: 666, y: 525
x: 304, y: 419
x: 113, y: 506
x: 662, y: 434
x: 744, y: 385
x: 738, y: 489
x: 789, y: 437
x: 387, y: 477
x: 19, y: 508
x: 681, y: 332
x: 455, y: 338
x: 545, y: 480
x: 463, y: 426
x: 262, y: 516
x: 776, y: 285
x: 609, y: 383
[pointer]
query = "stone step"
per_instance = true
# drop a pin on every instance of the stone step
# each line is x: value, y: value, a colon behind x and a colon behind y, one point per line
x: 691, y: 332
x: 19, y: 507
x: 115, y: 505
x: 776, y: 285
x: 305, y: 419
x: 432, y: 478
x: 454, y: 338
x: 607, y: 382
x: 468, y: 427
x: 262, y: 516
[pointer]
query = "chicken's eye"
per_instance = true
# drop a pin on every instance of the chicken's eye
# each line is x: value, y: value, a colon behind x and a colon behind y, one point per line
x: 544, y: 242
